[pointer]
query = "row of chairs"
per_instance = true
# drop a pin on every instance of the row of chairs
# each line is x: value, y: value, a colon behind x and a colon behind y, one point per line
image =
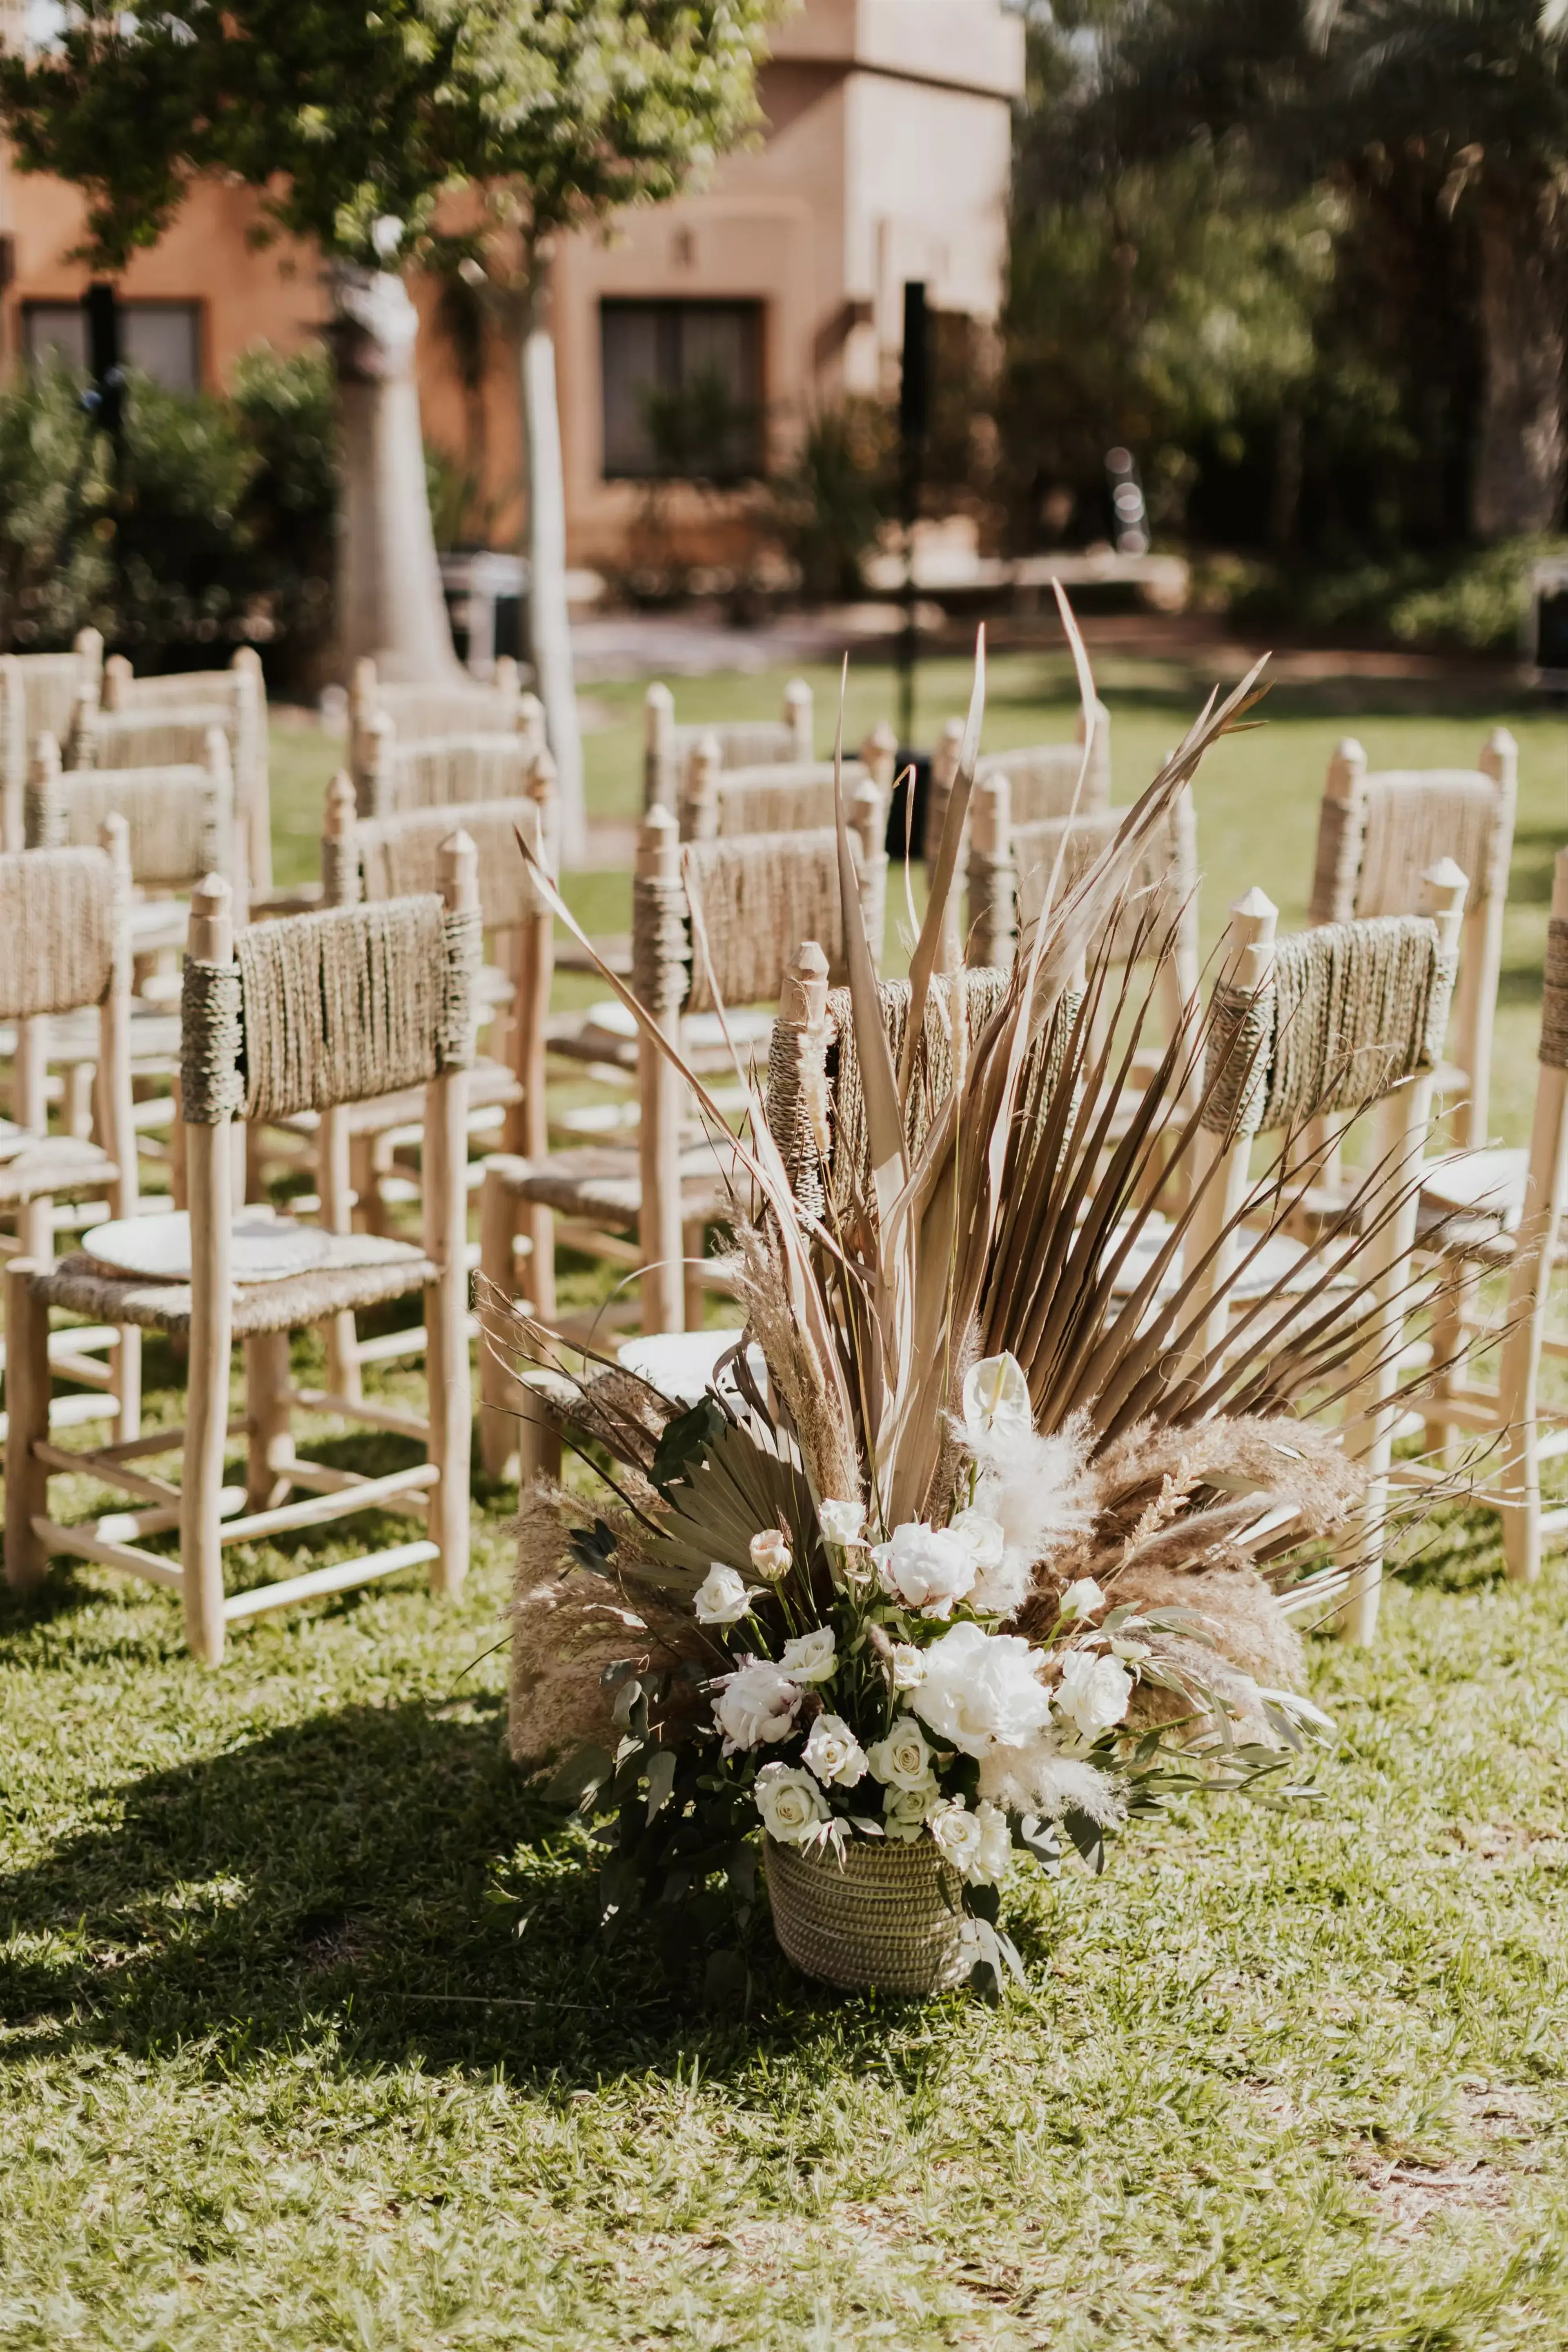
x: 723, y: 913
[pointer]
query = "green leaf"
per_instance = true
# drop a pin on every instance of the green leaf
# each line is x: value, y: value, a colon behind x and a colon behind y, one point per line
x: 661, y: 1780
x: 578, y: 1778
x: 684, y: 1442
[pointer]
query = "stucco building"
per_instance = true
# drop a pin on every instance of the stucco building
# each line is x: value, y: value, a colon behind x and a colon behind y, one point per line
x: 884, y: 157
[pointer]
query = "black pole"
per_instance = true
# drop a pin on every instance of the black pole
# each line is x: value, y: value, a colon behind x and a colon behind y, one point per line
x: 914, y: 426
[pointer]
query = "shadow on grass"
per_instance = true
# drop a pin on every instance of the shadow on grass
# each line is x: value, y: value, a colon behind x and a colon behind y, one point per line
x: 335, y: 1881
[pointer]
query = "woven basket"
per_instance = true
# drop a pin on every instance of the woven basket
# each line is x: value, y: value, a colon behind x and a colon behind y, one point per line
x: 881, y: 1918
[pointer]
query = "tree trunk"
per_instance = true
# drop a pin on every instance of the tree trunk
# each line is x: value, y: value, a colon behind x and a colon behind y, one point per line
x: 549, y: 632
x: 390, y: 604
x: 1523, y: 450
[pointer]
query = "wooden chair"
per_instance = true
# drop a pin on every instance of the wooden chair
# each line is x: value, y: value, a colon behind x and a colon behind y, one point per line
x: 354, y: 1145
x: 744, y: 744
x: 38, y: 697
x: 1500, y: 1214
x: 1343, y: 1019
x: 65, y: 949
x: 310, y: 1013
x: 186, y: 704
x: 1379, y: 834
x: 646, y: 1208
x: 420, y: 712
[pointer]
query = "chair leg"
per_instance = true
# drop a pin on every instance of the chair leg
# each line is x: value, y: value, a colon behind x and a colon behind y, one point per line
x: 1519, y: 1503
x: 451, y: 1431
x: 499, y: 1393
x: 269, y: 1457
x: 126, y: 1384
x: 27, y: 1409
x: 1447, y: 1343
x: 343, y: 1374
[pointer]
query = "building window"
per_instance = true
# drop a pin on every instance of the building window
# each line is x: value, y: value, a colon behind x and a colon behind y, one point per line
x: 683, y: 390
x: 160, y: 338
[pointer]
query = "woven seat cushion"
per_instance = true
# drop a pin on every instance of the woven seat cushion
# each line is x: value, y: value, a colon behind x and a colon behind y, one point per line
x: 607, y: 1033
x: 74, y: 1036
x: 601, y: 1182
x: 57, y: 1167
x: 364, y: 1270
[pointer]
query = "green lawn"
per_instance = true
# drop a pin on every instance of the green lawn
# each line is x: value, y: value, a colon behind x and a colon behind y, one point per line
x: 306, y: 2037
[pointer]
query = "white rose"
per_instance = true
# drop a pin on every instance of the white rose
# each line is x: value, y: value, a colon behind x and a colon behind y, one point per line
x: 771, y: 1555
x: 789, y: 1802
x: 842, y: 1523
x: 958, y: 1835
x: 721, y: 1598
x: 996, y: 1398
x: 905, y: 1810
x: 903, y: 1758
x: 811, y: 1657
x: 833, y: 1753
x: 982, y: 1687
x: 1082, y: 1599
x: 756, y: 1703
x: 984, y: 1538
x: 1094, y: 1691
x: 908, y: 1666
x: 929, y: 1568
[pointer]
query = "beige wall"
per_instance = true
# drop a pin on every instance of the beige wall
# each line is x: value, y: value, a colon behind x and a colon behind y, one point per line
x: 884, y: 157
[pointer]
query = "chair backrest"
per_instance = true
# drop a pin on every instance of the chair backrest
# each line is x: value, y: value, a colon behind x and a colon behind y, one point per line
x: 399, y: 857
x: 179, y: 819
x: 1342, y: 1015
x: 460, y: 707
x: 744, y: 744
x: 326, y: 1009
x: 1043, y: 776
x: 1011, y: 866
x: 234, y: 699
x: 1379, y: 833
x: 440, y: 771
x: 792, y: 795
x: 62, y: 928
x: 717, y: 921
x: 38, y: 697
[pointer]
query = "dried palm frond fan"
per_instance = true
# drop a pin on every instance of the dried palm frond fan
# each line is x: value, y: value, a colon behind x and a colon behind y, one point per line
x: 969, y: 1546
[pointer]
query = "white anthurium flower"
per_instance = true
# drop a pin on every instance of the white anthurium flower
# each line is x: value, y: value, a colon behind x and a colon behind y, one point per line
x: 721, y: 1598
x: 982, y: 1690
x: 926, y: 1567
x: 1094, y: 1692
x: 842, y: 1523
x: 755, y: 1705
x: 902, y: 1760
x: 906, y: 1666
x: 771, y: 1555
x: 996, y: 1398
x: 1082, y: 1598
x: 811, y: 1657
x: 790, y: 1802
x: 904, y: 1810
x: 834, y: 1754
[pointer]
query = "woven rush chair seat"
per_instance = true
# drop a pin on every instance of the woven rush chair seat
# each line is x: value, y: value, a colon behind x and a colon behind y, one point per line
x: 597, y: 1180
x: 364, y: 1270
x: 59, y: 1165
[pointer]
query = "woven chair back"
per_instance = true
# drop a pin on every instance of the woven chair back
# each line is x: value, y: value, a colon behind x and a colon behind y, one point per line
x: 745, y: 743
x: 1351, y: 1011
x: 60, y: 920
x: 1044, y: 777
x: 180, y: 820
x: 38, y: 697
x: 398, y: 856
x: 324, y: 1009
x: 790, y: 796
x: 1379, y: 834
x: 444, y: 771
x: 1164, y: 881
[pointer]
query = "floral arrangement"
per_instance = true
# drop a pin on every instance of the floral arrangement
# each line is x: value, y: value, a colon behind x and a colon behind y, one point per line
x: 967, y: 1552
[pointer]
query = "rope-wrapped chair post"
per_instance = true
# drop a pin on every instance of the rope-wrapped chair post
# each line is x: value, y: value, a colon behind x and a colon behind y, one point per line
x: 698, y: 810
x: 992, y: 877
x: 797, y: 1097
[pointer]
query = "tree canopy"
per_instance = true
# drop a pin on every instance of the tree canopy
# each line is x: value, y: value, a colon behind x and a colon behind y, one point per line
x: 345, y: 117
